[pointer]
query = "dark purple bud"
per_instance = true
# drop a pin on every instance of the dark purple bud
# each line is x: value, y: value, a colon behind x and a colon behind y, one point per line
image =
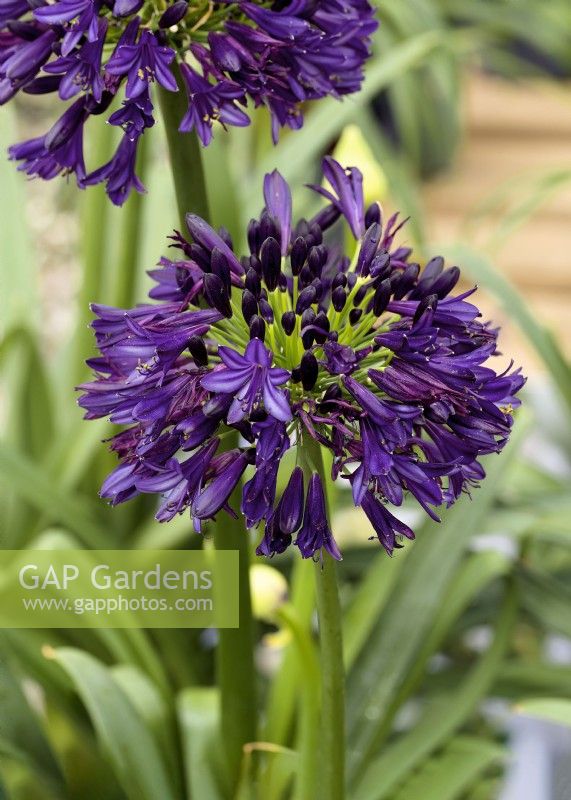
x: 307, y: 318
x: 327, y: 217
x: 225, y: 55
x: 256, y: 265
x: 282, y: 283
x: 339, y: 298
x: 298, y: 255
x: 322, y: 322
x: 360, y: 295
x: 43, y: 85
x: 268, y: 228
x: 316, y: 259
x: 382, y: 297
x: 249, y: 305
x: 332, y: 394
x: 373, y: 215
x: 124, y: 8
x: 217, y: 406
x: 173, y: 14
x: 368, y: 249
x: 305, y: 276
x: 318, y: 286
x: 339, y: 280
x: 258, y: 414
x: 355, y: 315
x: 381, y: 265
x: 271, y: 258
x: 266, y: 310
x: 257, y: 328
x: 253, y: 283
x: 309, y: 370
x: 445, y: 282
x: 216, y: 294
x: 288, y: 322
x: 306, y: 298
x: 216, y: 494
x: 254, y: 236
x: 24, y: 30
x: 226, y: 237
x: 316, y: 233
x: 198, y: 350
x: 200, y: 256
x: 296, y: 375
x: 219, y: 266
x: 427, y: 303
x: 406, y: 281
x: 291, y: 503
x: 433, y: 268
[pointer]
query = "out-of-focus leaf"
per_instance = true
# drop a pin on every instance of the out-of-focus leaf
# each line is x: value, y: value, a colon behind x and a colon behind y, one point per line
x: 370, y: 598
x: 158, y: 716
x: 547, y: 600
x: 198, y: 713
x: 517, y: 678
x: 18, y: 284
x: 483, y: 272
x: 453, y: 772
x: 33, y: 484
x: 551, y: 709
x: 397, y: 637
x: 440, y: 719
x: 282, y: 765
x: 21, y: 735
x: 123, y: 734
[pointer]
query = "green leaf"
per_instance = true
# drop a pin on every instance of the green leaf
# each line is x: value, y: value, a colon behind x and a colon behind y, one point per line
x: 33, y: 484
x: 547, y: 600
x: 551, y: 709
x: 440, y: 719
x: 157, y: 714
x: 517, y: 678
x: 542, y: 340
x: 21, y: 735
x: 448, y: 775
x: 198, y: 713
x: 373, y: 593
x: 124, y: 736
x: 18, y: 280
x: 419, y: 594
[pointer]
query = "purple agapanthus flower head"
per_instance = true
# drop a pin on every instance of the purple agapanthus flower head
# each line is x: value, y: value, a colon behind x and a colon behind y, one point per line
x: 244, y: 53
x: 370, y: 356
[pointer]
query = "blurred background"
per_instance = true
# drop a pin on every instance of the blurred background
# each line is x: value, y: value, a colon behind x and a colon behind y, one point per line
x: 459, y: 648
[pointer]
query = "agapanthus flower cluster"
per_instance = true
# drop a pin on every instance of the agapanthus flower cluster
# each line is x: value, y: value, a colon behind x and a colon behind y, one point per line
x: 277, y: 55
x: 367, y: 354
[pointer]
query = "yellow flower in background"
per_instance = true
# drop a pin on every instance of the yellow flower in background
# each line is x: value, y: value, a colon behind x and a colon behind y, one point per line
x: 269, y: 590
x: 352, y: 148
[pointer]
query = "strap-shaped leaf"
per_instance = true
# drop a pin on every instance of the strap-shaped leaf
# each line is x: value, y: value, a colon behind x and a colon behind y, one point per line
x: 440, y: 719
x: 450, y: 774
x: 21, y: 734
x: 124, y: 736
x: 198, y: 713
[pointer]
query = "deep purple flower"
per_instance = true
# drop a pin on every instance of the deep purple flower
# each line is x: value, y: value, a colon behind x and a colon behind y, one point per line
x: 252, y: 381
x: 208, y: 102
x: 315, y: 535
x: 280, y: 58
x: 374, y: 358
x: 143, y: 63
x: 82, y: 69
x: 119, y: 173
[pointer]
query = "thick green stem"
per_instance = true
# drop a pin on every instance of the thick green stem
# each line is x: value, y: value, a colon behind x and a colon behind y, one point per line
x: 332, y: 763
x: 186, y: 159
x: 235, y: 653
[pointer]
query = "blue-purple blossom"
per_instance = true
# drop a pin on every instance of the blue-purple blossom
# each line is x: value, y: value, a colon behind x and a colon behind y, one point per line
x: 243, y: 54
x: 371, y: 357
